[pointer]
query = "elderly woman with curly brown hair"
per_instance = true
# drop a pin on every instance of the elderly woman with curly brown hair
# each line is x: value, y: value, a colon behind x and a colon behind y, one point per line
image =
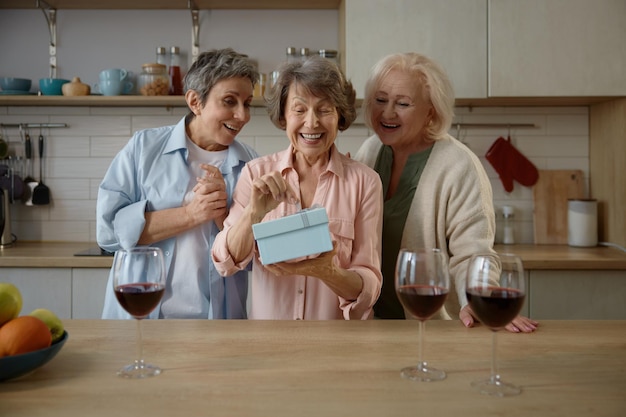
x: 311, y: 101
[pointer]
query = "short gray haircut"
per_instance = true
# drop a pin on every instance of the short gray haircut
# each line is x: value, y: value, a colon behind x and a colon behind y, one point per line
x: 322, y: 78
x: 217, y: 65
x: 436, y: 87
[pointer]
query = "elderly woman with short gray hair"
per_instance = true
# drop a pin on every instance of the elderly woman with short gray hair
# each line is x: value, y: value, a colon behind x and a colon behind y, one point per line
x: 171, y: 186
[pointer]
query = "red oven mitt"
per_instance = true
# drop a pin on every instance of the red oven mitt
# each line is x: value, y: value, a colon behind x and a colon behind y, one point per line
x: 511, y: 165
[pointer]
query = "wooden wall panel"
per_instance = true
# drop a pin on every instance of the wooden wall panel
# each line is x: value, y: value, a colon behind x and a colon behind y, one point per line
x: 607, y: 164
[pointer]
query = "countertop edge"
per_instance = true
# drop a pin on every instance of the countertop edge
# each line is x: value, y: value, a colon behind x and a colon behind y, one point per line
x: 534, y: 257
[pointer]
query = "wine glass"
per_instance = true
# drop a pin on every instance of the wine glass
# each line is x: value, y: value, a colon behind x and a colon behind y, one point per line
x: 495, y: 291
x: 422, y: 285
x: 139, y: 283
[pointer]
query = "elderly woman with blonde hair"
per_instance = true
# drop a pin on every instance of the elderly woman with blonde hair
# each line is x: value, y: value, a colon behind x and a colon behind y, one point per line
x: 436, y: 191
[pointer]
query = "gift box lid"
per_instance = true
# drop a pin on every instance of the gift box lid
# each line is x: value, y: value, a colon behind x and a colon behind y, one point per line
x: 300, y: 220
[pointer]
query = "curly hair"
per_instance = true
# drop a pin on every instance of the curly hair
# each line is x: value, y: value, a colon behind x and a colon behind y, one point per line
x: 322, y: 78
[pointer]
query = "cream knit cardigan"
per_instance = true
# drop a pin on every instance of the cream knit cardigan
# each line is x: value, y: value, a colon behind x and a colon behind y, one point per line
x: 452, y: 210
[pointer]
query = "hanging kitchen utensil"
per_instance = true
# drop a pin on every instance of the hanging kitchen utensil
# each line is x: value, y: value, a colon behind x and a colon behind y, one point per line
x: 11, y: 183
x: 41, y: 193
x: 28, y: 152
x: 511, y: 165
x: 4, y: 147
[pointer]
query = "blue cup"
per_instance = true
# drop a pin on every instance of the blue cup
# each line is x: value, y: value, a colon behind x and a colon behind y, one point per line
x: 113, y: 87
x: 113, y: 74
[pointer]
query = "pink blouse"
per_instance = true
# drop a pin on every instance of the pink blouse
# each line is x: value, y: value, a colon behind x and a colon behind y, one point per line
x: 352, y: 195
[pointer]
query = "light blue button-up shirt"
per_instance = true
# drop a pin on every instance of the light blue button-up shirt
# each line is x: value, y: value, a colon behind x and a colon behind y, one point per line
x: 151, y: 173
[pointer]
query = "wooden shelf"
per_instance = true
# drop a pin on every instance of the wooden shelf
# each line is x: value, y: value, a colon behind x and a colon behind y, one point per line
x: 179, y: 101
x: 174, y: 4
x: 101, y: 101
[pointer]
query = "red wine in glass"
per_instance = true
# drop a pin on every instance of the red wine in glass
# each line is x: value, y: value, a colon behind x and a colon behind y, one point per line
x: 495, y: 307
x: 422, y: 282
x: 422, y: 300
x: 139, y: 299
x: 139, y: 282
x: 495, y: 290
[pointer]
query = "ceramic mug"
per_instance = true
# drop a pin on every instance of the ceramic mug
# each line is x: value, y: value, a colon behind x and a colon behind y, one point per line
x: 113, y: 74
x: 113, y: 87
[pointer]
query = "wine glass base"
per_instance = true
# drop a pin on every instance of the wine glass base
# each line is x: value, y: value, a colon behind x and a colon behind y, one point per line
x: 496, y: 387
x: 145, y: 370
x: 422, y: 373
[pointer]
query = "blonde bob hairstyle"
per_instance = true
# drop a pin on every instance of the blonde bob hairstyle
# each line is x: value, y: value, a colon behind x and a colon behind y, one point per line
x: 435, y: 84
x: 320, y: 77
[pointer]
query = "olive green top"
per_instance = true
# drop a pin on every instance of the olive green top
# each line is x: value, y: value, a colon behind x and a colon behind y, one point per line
x: 395, y: 213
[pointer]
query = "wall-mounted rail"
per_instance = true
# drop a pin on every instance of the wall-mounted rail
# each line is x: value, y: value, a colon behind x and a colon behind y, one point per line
x: 493, y: 125
x: 33, y: 125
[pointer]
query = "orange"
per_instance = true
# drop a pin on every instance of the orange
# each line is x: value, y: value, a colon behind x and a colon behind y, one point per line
x: 24, y: 334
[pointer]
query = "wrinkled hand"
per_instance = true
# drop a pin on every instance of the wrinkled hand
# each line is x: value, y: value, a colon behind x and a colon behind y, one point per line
x: 268, y: 191
x: 210, y: 197
x: 320, y: 266
x: 519, y: 323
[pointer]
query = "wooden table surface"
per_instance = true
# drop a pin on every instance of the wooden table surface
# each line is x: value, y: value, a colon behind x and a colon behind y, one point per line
x: 329, y: 368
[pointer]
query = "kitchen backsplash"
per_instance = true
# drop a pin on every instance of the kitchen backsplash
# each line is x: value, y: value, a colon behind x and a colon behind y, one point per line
x: 78, y: 156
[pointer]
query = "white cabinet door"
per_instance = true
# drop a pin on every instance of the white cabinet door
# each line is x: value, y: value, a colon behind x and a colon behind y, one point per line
x: 88, y: 286
x: 577, y: 295
x: 557, y: 48
x: 454, y: 33
x: 49, y: 288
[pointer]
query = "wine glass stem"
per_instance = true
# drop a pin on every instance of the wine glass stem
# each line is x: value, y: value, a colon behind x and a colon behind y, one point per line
x: 494, y: 369
x: 420, y: 343
x: 139, y: 360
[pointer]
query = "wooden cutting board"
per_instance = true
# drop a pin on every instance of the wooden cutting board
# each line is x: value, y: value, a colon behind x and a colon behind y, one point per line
x: 550, y: 195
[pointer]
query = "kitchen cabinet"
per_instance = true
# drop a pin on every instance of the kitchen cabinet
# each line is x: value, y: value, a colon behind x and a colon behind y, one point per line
x: 577, y: 295
x: 557, y: 48
x: 88, y: 287
x: 71, y: 293
x: 496, y: 49
x: 454, y: 34
x: 49, y: 288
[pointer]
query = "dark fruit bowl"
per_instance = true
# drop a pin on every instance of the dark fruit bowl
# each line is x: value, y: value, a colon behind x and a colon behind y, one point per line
x: 20, y: 365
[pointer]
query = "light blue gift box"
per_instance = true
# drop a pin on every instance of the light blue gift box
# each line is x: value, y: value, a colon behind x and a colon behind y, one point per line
x: 301, y: 234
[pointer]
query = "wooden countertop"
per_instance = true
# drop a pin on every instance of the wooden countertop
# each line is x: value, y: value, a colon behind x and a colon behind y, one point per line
x: 324, y: 368
x: 51, y: 255
x: 61, y: 255
x: 567, y: 257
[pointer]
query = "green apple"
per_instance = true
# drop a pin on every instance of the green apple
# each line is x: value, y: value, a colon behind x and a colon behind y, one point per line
x: 52, y: 321
x: 10, y: 302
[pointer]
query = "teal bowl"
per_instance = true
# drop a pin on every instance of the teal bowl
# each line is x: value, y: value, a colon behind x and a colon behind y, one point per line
x: 26, y: 363
x: 52, y: 86
x: 15, y: 84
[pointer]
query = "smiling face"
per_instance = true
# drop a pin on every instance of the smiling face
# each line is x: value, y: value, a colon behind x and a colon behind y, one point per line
x: 400, y: 112
x: 225, y: 113
x: 311, y: 123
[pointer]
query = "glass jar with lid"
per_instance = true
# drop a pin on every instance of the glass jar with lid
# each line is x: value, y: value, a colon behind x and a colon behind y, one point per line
x: 161, y: 55
x: 153, y: 80
x: 329, y: 54
x: 291, y: 54
x: 304, y: 54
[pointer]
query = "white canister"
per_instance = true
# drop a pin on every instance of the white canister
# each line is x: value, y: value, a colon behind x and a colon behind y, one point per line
x: 582, y: 223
